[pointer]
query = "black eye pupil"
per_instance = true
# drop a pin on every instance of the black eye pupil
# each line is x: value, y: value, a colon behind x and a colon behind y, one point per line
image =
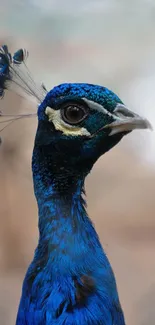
x: 73, y: 114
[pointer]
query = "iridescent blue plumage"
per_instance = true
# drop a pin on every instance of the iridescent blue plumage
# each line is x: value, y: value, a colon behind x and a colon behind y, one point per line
x: 70, y: 280
x: 5, y: 59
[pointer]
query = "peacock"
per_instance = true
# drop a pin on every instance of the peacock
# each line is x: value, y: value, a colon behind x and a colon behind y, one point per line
x: 70, y: 280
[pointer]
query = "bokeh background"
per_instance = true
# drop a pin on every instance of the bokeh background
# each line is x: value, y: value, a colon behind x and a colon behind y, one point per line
x: 108, y: 42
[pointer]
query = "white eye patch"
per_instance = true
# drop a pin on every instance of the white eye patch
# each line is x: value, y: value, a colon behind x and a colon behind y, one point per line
x: 54, y: 116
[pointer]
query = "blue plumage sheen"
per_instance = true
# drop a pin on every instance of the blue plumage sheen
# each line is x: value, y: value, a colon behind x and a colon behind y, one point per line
x: 70, y: 280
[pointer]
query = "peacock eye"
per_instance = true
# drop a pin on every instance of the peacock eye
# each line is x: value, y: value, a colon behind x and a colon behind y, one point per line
x: 73, y: 114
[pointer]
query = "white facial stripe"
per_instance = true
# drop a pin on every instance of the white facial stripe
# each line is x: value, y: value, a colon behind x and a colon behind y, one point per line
x: 54, y: 116
x: 96, y: 106
x: 101, y: 109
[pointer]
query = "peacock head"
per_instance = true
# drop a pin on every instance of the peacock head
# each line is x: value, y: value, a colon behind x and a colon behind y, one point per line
x: 77, y: 122
x: 80, y: 122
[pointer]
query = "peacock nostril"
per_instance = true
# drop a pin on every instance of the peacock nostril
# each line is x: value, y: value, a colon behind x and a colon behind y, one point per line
x: 123, y: 111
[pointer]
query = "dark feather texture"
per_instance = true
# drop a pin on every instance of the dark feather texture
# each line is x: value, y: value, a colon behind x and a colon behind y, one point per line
x: 70, y: 280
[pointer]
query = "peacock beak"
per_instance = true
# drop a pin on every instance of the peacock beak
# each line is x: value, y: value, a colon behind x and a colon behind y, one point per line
x: 126, y: 121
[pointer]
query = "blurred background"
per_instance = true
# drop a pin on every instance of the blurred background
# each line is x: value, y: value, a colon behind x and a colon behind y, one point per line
x: 108, y: 42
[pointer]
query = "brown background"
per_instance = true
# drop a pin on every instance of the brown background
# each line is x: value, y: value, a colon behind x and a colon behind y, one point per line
x: 110, y: 43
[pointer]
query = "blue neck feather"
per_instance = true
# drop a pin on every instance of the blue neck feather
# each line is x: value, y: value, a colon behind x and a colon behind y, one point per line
x: 70, y: 274
x: 64, y: 227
